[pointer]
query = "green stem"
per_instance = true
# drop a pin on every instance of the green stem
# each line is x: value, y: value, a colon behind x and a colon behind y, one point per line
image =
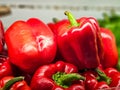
x: 118, y: 64
x: 65, y: 80
x: 11, y: 82
x: 55, y: 20
x: 71, y: 19
x: 103, y: 77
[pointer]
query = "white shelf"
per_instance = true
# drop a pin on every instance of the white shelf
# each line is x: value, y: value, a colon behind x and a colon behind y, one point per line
x: 47, y: 9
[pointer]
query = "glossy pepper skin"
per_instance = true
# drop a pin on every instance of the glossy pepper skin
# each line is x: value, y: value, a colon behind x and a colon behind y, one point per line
x: 90, y: 81
x: 2, y: 41
x: 56, y: 24
x: 110, y: 48
x: 4, y: 80
x: 114, y: 74
x: 44, y: 78
x: 21, y: 85
x: 79, y: 42
x: 6, y: 68
x: 101, y: 85
x: 30, y: 44
x: 54, y: 27
x: 15, y: 83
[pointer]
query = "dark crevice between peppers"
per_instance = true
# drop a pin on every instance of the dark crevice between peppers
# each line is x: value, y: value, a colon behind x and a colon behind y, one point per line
x: 11, y: 82
x: 65, y: 80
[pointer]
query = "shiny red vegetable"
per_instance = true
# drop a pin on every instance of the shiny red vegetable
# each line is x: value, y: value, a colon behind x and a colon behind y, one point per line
x: 110, y: 48
x: 59, y: 75
x: 21, y: 85
x: 6, y: 68
x: 13, y: 83
x: 79, y: 42
x: 30, y: 44
x: 110, y: 71
x: 102, y: 85
x: 4, y: 80
x: 115, y: 80
x: 56, y: 24
x: 114, y: 75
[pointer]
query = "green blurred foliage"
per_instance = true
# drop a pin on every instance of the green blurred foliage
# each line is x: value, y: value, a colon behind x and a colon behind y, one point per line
x: 112, y: 22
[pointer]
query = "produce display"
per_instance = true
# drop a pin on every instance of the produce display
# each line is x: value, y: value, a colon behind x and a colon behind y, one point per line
x: 67, y: 54
x: 112, y: 21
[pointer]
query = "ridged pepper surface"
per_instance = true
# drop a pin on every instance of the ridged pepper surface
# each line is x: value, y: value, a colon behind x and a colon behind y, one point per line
x: 79, y: 41
x: 30, y: 44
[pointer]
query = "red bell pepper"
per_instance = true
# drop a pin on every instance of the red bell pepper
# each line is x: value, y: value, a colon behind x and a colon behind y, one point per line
x: 5, y: 67
x: 102, y: 76
x: 56, y: 24
x: 4, y: 80
x: 76, y: 87
x: 114, y: 75
x: 96, y: 79
x: 102, y: 85
x: 54, y: 27
x: 53, y: 76
x: 13, y: 83
x: 110, y: 71
x: 90, y: 80
x: 79, y: 42
x: 30, y: 44
x: 115, y: 80
x: 110, y: 49
x: 21, y: 85
x: 1, y: 37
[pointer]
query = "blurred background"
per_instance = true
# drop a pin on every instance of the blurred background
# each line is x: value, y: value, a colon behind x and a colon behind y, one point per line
x: 107, y: 12
x: 12, y: 10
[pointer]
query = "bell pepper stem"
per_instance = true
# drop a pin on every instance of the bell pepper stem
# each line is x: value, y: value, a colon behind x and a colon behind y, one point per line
x: 71, y: 18
x: 103, y: 77
x: 11, y: 82
x: 55, y: 20
x: 65, y: 80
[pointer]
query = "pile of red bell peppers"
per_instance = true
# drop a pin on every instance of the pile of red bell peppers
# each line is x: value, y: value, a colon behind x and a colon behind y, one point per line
x: 69, y: 54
